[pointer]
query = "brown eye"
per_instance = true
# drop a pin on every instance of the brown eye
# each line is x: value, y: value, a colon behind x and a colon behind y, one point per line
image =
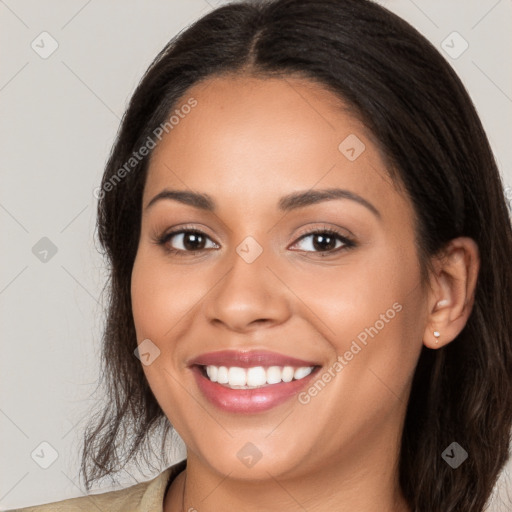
x: 324, y: 241
x: 187, y: 241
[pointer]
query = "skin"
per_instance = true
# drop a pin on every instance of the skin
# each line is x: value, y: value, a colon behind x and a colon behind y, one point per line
x: 247, y: 143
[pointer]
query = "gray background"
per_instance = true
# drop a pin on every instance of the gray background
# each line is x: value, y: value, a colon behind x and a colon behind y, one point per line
x: 59, y: 118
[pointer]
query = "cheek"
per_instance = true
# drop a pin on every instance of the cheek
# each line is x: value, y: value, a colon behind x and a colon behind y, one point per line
x: 370, y: 315
x: 352, y: 296
x: 161, y: 299
x: 370, y: 311
x: 160, y: 302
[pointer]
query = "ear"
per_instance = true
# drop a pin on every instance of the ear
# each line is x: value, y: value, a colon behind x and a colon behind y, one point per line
x: 452, y: 291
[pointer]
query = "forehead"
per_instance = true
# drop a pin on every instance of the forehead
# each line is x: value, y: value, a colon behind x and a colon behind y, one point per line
x: 257, y: 138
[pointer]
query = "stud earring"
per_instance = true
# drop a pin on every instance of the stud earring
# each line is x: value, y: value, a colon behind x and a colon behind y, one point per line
x: 437, y: 334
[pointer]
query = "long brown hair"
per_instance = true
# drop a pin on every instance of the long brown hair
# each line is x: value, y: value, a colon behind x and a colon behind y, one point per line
x: 427, y: 127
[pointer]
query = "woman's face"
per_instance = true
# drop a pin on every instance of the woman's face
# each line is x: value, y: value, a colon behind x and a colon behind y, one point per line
x: 257, y: 289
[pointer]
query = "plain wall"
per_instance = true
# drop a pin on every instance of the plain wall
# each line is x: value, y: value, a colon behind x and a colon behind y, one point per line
x: 59, y: 116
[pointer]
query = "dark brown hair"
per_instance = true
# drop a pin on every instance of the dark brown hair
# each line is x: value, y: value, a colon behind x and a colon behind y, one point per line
x: 425, y: 124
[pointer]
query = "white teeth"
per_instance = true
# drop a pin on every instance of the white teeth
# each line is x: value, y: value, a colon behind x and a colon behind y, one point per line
x: 273, y: 375
x: 222, y: 375
x: 237, y: 376
x: 256, y: 376
x: 212, y: 372
x: 288, y: 372
x: 302, y: 372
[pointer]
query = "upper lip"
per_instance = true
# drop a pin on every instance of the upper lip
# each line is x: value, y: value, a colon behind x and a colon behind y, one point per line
x: 247, y: 359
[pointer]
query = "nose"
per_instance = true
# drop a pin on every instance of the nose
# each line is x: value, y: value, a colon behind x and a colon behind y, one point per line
x: 248, y: 296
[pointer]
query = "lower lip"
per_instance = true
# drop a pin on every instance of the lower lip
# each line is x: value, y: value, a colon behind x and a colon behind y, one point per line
x: 248, y: 400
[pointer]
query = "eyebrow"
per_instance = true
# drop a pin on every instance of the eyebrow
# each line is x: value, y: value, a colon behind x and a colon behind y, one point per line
x: 286, y: 203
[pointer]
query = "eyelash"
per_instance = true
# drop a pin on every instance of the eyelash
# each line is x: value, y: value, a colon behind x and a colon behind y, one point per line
x: 164, y: 239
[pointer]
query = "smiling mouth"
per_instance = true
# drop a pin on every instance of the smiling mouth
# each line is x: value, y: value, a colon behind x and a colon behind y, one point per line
x: 250, y: 381
x: 255, y: 377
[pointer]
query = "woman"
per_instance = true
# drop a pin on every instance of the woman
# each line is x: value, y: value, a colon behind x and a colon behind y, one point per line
x: 310, y: 281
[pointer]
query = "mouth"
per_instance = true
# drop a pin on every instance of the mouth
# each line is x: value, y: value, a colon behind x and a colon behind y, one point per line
x: 255, y: 377
x: 250, y: 382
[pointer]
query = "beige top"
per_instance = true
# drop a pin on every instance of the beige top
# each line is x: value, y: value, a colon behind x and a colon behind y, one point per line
x: 143, y: 497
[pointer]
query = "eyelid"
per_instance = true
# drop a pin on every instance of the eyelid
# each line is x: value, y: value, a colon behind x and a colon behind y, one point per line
x: 342, y: 232
x: 167, y: 235
x: 180, y: 228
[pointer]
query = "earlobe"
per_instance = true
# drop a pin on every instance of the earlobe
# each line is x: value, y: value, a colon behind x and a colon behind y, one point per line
x: 452, y: 292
